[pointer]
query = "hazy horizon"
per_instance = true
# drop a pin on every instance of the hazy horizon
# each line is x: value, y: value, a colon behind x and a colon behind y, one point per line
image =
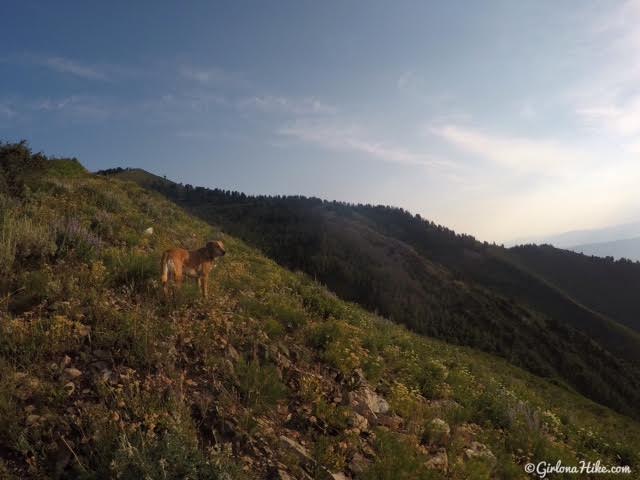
x: 503, y: 119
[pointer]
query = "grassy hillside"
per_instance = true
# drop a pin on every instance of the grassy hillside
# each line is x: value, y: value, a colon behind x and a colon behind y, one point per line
x: 271, y: 377
x: 438, y: 283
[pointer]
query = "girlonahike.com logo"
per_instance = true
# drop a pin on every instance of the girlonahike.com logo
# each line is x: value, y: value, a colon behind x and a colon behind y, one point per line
x: 544, y: 469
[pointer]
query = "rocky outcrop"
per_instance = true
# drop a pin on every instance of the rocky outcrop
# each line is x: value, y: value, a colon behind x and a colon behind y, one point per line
x: 368, y: 403
x: 438, y: 461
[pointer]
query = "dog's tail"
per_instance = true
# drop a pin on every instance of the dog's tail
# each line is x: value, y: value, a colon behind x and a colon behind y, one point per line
x: 164, y: 267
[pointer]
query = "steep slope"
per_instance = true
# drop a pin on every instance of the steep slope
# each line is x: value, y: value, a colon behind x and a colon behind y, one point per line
x: 439, y: 283
x: 271, y: 377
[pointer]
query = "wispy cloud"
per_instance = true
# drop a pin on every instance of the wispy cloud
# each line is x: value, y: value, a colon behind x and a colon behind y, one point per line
x: 407, y: 79
x: 213, y: 76
x: 609, y: 99
x: 77, y: 106
x: 354, y: 139
x: 65, y: 65
x: 519, y: 154
x: 7, y: 111
x: 618, y: 118
x: 296, y: 106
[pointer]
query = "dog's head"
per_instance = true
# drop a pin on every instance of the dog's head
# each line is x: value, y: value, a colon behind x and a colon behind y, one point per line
x: 215, y: 249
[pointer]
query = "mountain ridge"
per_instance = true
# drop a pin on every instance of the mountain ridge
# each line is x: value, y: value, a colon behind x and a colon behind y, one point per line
x: 271, y: 377
x: 347, y: 247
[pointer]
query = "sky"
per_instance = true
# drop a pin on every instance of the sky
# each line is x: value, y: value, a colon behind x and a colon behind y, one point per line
x: 501, y: 119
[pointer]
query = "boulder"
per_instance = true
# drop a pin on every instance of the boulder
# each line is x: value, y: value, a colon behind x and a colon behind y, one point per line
x: 392, y: 422
x: 368, y: 403
x: 438, y: 432
x: 467, y: 433
x: 479, y: 451
x: 438, y: 461
x: 359, y: 463
x: 358, y: 421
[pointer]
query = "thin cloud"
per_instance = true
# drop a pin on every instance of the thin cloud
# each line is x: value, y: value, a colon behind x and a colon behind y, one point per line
x: 302, y: 106
x: 609, y: 101
x: 520, y: 154
x: 64, y: 65
x: 352, y: 139
x: 620, y: 119
x: 77, y: 106
x: 406, y: 79
x: 7, y: 111
x: 212, y: 76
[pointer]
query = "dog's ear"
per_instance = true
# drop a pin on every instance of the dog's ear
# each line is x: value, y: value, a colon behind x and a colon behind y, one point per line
x: 211, y: 250
x: 221, y: 250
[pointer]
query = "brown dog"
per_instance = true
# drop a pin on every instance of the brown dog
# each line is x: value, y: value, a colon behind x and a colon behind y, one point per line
x: 178, y: 262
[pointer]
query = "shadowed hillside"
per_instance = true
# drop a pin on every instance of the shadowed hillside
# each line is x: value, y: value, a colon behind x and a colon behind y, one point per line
x: 606, y: 285
x: 433, y: 280
x: 272, y: 377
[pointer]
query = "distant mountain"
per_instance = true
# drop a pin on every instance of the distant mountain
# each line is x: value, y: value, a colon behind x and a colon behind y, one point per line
x: 435, y: 281
x: 585, y: 237
x: 627, y: 248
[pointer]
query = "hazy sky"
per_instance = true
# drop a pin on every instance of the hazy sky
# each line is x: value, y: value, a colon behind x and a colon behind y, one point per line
x: 501, y: 119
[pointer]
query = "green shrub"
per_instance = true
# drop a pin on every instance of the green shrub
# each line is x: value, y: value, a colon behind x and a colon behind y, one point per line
x: 273, y: 328
x: 323, y: 334
x: 22, y: 239
x: 260, y: 385
x: 133, y: 270
x: 69, y: 168
x: 34, y: 288
x: 74, y: 239
x: 275, y: 307
x: 430, y: 378
x: 397, y: 459
x: 319, y: 302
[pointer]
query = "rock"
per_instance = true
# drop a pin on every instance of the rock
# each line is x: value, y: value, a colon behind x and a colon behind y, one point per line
x: 480, y: 451
x: 69, y: 388
x: 283, y: 362
x: 357, y: 378
x: 467, y: 432
x: 284, y: 350
x: 392, y: 422
x: 295, y: 447
x: 101, y: 354
x: 72, y: 372
x: 232, y: 353
x: 338, y: 476
x: 438, y: 432
x: 83, y: 330
x: 359, y: 463
x: 358, y: 421
x: 439, y: 461
x: 375, y: 402
x: 368, y: 403
x: 149, y: 231
x: 33, y: 419
x: 282, y: 475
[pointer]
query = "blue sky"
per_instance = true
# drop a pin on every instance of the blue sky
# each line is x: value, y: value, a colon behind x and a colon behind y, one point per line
x: 501, y: 119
